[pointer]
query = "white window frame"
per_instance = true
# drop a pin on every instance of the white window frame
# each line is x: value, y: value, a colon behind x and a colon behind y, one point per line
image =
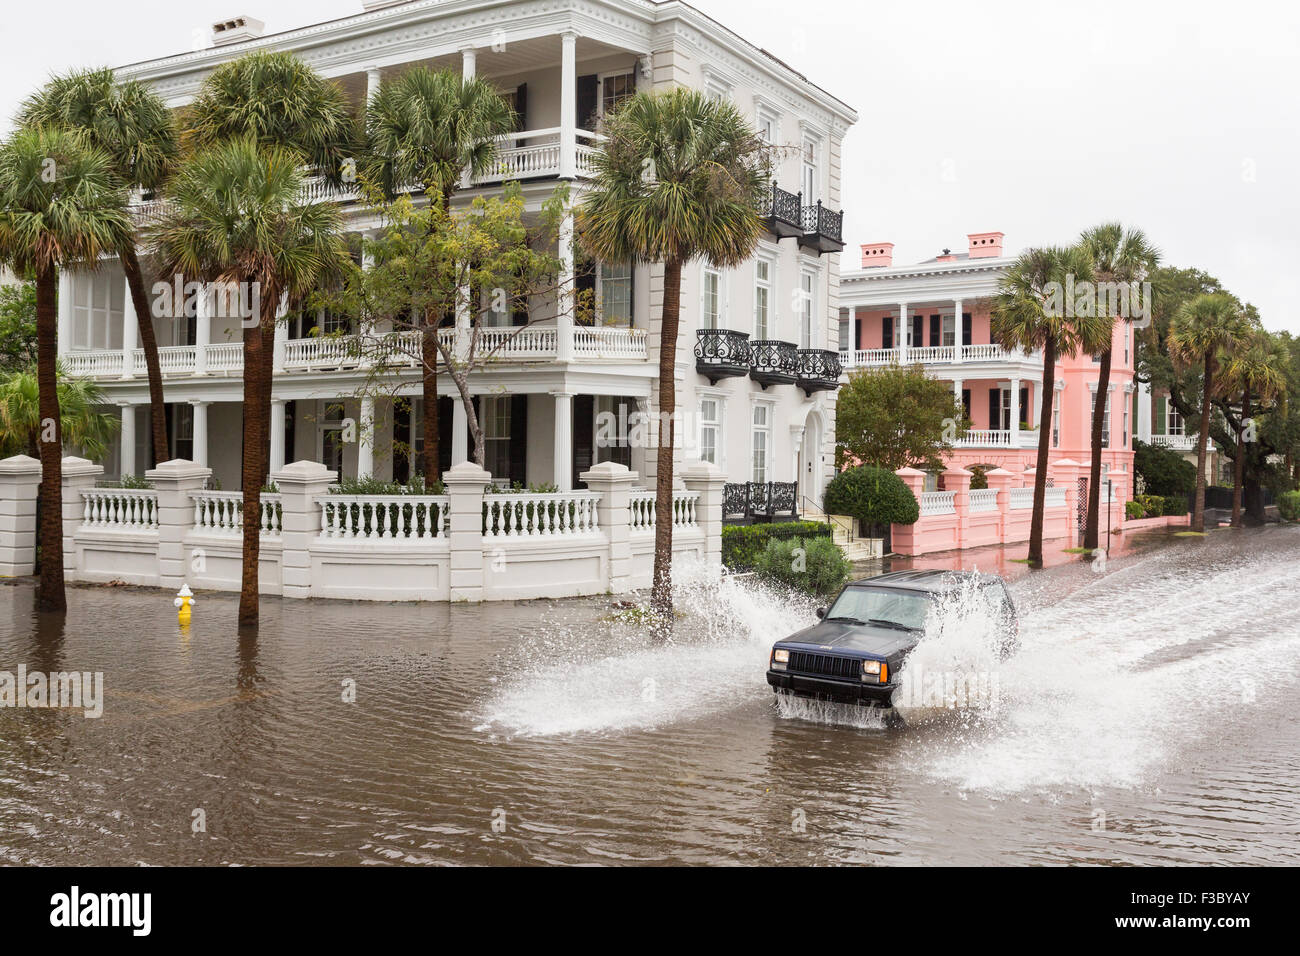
x: 948, y: 330
x: 719, y: 320
x: 600, y: 291
x: 769, y: 286
x: 1173, y: 419
x: 717, y: 425
x: 1056, y: 418
x: 493, y: 410
x: 767, y: 121
x: 808, y: 308
x: 766, y: 431
x: 600, y: 87
x: 810, y: 169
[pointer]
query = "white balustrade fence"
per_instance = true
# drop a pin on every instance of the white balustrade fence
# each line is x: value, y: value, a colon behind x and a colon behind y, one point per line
x: 937, y: 502
x: 222, y: 513
x: 530, y: 514
x: 1023, y: 497
x: 643, y: 511
x: 125, y: 509
x: 384, y: 517
x: 983, y: 499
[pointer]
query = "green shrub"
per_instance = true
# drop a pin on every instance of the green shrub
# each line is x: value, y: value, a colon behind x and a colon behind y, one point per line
x: 741, y: 544
x: 979, y: 479
x: 1153, y: 506
x: 875, y: 496
x: 376, y: 486
x: 1133, y: 510
x: 1175, y: 505
x: 1162, y: 471
x: 815, y: 566
x: 1288, y: 505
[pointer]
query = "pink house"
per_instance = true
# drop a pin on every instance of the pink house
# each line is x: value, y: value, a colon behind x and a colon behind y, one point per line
x: 937, y: 314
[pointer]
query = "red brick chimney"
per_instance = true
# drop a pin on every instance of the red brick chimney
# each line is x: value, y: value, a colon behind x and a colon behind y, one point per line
x: 877, y: 255
x: 985, y: 245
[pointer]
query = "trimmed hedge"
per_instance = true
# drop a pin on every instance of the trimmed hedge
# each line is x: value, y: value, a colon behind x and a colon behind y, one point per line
x: 742, y: 544
x: 875, y: 496
x: 1288, y: 505
x: 1175, y: 505
x: 1133, y: 510
x: 815, y: 566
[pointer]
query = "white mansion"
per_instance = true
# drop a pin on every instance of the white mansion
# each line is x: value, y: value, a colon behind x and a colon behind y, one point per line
x: 758, y: 359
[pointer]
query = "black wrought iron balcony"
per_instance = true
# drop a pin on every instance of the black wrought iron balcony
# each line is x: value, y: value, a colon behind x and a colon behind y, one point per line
x: 783, y: 214
x: 760, y: 499
x: 819, y: 370
x: 823, y: 229
x: 720, y: 353
x: 772, y: 362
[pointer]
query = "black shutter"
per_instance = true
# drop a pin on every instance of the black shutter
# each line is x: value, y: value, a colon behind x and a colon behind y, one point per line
x: 521, y: 107
x: 469, y: 437
x: 1024, y: 405
x: 887, y: 332
x: 584, y: 439
x: 587, y: 92
x: 519, y: 439
x: 965, y: 402
x: 965, y: 328
x: 584, y: 281
x: 519, y: 311
x: 936, y: 330
x: 918, y: 330
x: 445, y: 406
x: 995, y: 407
x: 290, y: 418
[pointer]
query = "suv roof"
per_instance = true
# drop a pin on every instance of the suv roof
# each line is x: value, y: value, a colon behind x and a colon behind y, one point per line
x: 927, y: 579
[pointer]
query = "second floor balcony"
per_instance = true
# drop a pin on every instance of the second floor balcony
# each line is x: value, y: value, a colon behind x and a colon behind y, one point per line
x: 814, y: 226
x: 934, y: 354
x: 773, y: 362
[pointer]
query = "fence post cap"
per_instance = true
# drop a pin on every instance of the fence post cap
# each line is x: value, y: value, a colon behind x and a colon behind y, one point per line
x: 608, y: 471
x: 958, y: 470
x: 906, y: 472
x: 465, y: 473
x: 301, y: 472
x: 702, y: 469
x: 1064, y: 463
x: 177, y: 468
x: 20, y: 465
x: 73, y: 466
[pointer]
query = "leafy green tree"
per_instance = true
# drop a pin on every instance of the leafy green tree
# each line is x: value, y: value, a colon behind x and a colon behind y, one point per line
x: 679, y: 176
x: 432, y: 127
x: 1163, y: 472
x: 82, y: 424
x: 896, y: 417
x: 1198, y: 335
x: 17, y: 326
x: 235, y: 215
x: 60, y: 205
x: 875, y: 496
x: 1028, y: 313
x: 1256, y: 370
x: 134, y: 127
x: 1123, y: 259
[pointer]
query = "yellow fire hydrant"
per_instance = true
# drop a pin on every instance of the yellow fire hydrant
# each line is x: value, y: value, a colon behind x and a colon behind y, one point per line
x: 184, y: 602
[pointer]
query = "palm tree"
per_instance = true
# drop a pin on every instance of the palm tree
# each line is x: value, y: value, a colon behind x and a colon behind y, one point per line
x: 132, y: 124
x: 60, y: 204
x: 1202, y: 329
x: 431, y: 127
x: 82, y: 425
x: 1255, y: 369
x: 277, y: 100
x: 680, y: 176
x: 236, y: 215
x: 1121, y: 258
x: 1029, y: 313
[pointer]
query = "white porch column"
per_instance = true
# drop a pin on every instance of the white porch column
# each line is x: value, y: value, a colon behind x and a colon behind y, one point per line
x: 563, y: 440
x: 202, y: 330
x: 365, y: 437
x: 957, y: 326
x: 277, y: 433
x: 373, y: 79
x: 65, y: 312
x: 956, y: 389
x: 459, y: 431
x: 904, y: 330
x: 1144, y: 411
x: 281, y: 336
x: 564, y: 314
x: 126, y: 464
x: 130, y: 330
x: 201, y: 433
x: 1015, y: 413
x: 568, y: 104
x: 468, y: 63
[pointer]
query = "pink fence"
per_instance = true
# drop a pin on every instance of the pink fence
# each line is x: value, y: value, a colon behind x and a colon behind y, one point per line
x: 957, y: 517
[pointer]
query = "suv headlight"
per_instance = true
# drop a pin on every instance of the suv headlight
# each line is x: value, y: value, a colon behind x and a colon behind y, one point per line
x: 875, y: 672
x: 780, y: 657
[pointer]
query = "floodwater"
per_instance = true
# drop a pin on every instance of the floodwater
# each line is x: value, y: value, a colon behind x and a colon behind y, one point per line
x: 1151, y: 715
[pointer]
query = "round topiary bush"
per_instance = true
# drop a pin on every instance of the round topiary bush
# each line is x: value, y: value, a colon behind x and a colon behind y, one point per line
x: 875, y: 496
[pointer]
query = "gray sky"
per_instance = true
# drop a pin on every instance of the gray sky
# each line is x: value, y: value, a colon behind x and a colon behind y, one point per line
x: 1037, y: 119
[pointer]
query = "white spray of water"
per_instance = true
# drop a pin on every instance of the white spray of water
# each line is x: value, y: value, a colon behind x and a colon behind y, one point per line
x: 579, y: 681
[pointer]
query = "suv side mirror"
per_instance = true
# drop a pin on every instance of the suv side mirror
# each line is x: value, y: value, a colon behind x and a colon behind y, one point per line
x: 821, y: 612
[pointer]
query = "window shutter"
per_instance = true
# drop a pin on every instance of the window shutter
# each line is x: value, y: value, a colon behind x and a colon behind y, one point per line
x: 444, y: 436
x: 519, y: 439
x: 918, y: 330
x: 965, y: 402
x: 521, y: 106
x: 1024, y: 405
x: 936, y: 334
x: 995, y: 407
x: 887, y: 332
x: 1161, y: 412
x: 965, y: 328
x: 588, y: 91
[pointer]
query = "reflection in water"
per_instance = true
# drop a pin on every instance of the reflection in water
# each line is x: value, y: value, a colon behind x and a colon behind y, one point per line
x: 1161, y: 693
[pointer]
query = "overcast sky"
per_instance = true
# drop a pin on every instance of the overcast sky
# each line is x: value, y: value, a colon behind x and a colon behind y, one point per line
x: 1034, y: 118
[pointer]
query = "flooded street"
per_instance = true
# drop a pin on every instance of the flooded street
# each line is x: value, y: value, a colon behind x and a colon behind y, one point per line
x: 1151, y: 716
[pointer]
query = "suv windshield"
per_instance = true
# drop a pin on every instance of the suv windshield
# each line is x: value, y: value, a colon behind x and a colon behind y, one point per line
x: 881, y: 606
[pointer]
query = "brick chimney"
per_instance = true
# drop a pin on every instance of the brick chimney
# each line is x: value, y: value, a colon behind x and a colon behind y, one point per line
x: 234, y: 29
x: 946, y: 256
x: 877, y: 255
x: 985, y: 245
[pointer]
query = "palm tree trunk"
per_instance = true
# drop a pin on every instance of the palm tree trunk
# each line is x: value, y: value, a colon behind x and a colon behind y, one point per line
x: 661, y: 593
x: 149, y: 343
x: 1198, y: 504
x: 251, y: 475
x: 1044, y: 440
x: 267, y: 372
x: 49, y: 595
x: 1093, y: 520
x: 1239, y: 466
x: 429, y: 384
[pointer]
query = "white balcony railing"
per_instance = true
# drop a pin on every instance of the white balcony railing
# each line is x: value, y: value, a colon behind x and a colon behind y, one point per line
x: 328, y: 353
x: 937, y: 502
x: 1174, y: 442
x: 934, y: 355
x: 985, y: 438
